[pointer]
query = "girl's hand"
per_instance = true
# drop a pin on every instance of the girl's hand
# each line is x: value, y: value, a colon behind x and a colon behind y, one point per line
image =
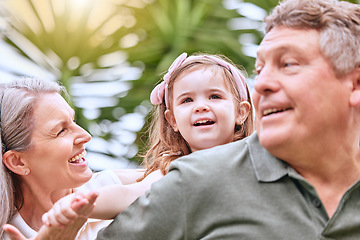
x: 69, y: 208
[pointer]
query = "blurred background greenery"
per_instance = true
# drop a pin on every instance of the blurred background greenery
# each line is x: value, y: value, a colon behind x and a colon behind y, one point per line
x: 109, y: 54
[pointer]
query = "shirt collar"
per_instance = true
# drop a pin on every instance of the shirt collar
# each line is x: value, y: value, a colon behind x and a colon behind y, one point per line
x: 267, y: 168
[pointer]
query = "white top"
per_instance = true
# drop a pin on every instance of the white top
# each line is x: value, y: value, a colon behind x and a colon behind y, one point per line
x: 92, y: 226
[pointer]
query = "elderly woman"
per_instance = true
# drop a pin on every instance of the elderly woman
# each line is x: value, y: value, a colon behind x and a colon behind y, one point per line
x: 43, y: 156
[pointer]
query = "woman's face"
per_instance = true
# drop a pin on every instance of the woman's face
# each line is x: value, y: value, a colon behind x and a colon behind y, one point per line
x: 56, y: 156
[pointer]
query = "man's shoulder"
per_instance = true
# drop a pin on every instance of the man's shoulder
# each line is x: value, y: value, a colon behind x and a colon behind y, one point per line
x: 216, y: 157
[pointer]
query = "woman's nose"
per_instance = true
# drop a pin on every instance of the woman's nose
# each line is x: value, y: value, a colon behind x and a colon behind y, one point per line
x: 82, y: 136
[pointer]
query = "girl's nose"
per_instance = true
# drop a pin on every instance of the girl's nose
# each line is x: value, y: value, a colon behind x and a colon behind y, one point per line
x: 201, y: 106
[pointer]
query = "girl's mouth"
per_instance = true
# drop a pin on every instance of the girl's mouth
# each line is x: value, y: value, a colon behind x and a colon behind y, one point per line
x: 203, y: 122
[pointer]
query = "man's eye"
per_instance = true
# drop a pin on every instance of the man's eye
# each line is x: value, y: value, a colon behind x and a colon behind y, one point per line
x: 257, y: 70
x: 290, y: 63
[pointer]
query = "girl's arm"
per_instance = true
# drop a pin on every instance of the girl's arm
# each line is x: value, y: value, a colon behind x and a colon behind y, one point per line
x: 110, y: 202
x: 114, y: 199
x: 129, y: 176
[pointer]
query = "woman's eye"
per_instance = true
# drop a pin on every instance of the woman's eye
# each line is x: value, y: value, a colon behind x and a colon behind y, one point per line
x: 215, y: 96
x: 61, y: 131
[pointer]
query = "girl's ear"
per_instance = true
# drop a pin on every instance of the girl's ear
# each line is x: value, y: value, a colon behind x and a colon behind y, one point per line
x: 243, y: 113
x: 355, y: 94
x: 170, y: 118
x: 13, y: 162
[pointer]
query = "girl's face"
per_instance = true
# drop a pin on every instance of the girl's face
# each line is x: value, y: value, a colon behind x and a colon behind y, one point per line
x: 56, y: 157
x: 203, y: 109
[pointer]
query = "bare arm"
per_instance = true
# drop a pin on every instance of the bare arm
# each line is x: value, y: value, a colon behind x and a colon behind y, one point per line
x: 129, y: 176
x: 82, y: 206
x: 111, y: 201
x: 114, y: 199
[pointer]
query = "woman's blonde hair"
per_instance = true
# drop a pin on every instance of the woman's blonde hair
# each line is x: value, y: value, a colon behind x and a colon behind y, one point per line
x: 17, y: 102
x: 166, y: 144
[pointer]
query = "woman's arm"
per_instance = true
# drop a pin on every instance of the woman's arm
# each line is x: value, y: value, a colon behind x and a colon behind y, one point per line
x: 82, y: 206
x: 47, y: 232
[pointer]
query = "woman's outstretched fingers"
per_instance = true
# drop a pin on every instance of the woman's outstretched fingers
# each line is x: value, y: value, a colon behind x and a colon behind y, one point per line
x: 13, y: 233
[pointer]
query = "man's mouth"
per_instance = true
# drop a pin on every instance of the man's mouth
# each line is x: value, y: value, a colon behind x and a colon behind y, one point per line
x: 78, y: 158
x: 203, y: 123
x: 270, y: 111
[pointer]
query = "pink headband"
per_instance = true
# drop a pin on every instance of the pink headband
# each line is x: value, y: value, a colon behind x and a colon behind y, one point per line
x: 157, y: 94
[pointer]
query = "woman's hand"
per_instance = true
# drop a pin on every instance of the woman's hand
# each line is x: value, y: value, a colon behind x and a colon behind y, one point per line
x: 13, y: 233
x: 82, y: 205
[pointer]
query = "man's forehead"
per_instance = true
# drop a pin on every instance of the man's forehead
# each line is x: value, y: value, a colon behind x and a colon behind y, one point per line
x: 282, y: 39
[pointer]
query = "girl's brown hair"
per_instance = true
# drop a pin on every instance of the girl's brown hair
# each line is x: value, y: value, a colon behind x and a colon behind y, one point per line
x: 166, y: 144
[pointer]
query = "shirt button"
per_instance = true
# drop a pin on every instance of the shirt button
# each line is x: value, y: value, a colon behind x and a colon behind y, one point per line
x: 316, y: 202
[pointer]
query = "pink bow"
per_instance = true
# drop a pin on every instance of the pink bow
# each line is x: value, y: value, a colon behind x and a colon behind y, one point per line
x: 238, y: 77
x: 157, y: 94
x: 161, y: 90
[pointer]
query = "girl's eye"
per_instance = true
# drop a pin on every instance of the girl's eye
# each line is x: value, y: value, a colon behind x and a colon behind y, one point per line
x: 186, y: 100
x: 215, y: 96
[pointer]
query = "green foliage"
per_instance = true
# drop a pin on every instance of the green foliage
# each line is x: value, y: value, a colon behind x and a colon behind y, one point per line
x: 72, y: 42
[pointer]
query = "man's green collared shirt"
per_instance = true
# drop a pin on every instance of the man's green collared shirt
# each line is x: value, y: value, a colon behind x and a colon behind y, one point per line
x: 235, y: 191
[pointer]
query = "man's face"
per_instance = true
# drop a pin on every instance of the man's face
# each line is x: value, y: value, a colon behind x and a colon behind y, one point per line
x: 299, y: 101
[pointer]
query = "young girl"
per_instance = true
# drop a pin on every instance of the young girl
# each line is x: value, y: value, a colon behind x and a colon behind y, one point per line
x: 203, y: 102
x: 187, y: 83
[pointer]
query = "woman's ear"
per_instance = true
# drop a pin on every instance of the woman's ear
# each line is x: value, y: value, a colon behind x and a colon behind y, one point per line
x: 14, y: 163
x: 170, y: 118
x: 355, y: 94
x: 243, y: 113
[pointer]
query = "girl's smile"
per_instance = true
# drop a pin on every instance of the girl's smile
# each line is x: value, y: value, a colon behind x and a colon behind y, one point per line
x: 203, y: 109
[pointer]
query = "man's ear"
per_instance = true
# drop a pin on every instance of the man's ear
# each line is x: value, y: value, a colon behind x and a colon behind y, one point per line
x: 355, y: 94
x: 243, y: 113
x: 12, y: 160
x: 170, y: 118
